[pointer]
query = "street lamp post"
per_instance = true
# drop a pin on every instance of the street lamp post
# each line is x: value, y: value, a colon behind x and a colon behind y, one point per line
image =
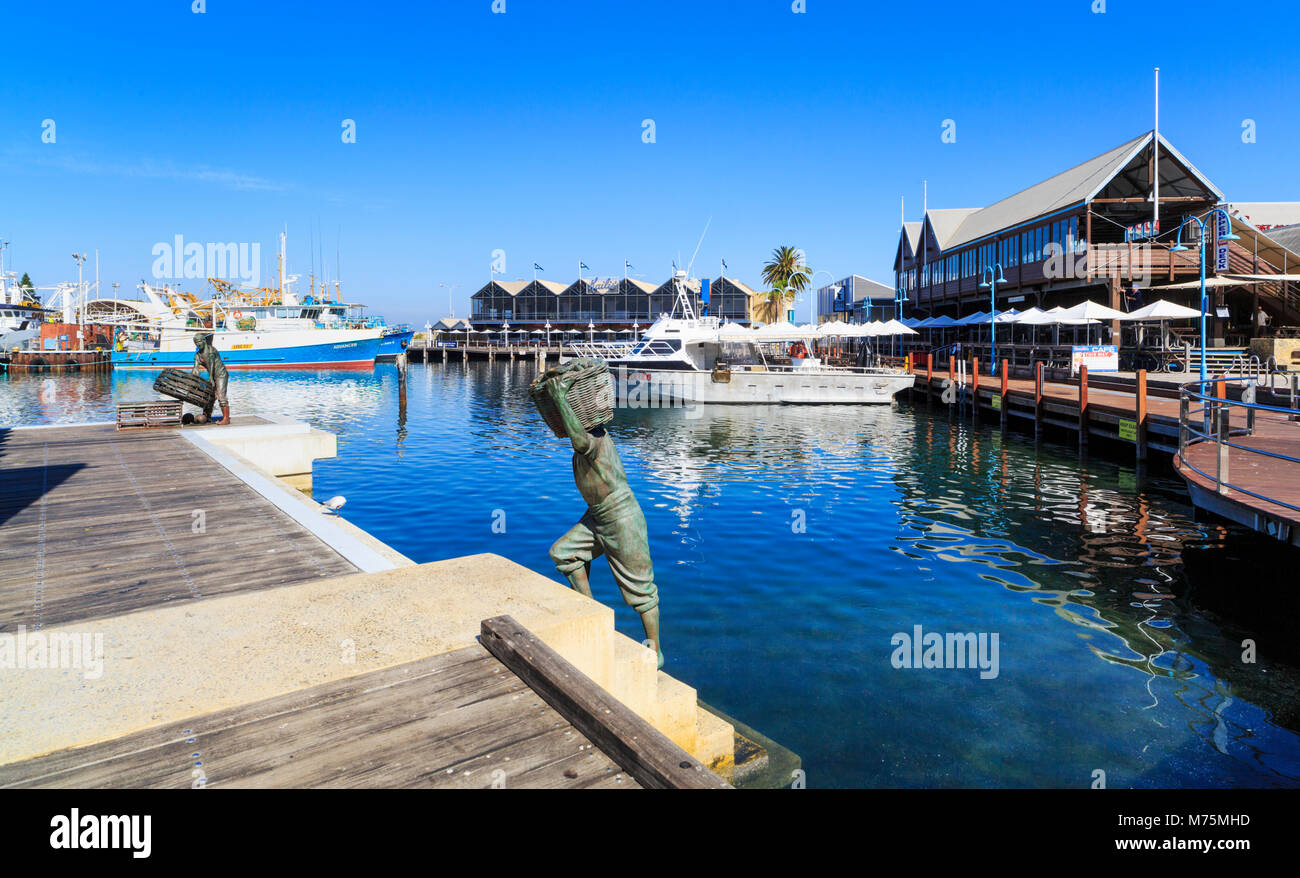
x: 994, y: 278
x: 900, y: 296
x: 80, y: 260
x: 1178, y: 247
x: 451, y: 309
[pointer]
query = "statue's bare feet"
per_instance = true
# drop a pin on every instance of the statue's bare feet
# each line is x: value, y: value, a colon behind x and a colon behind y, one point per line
x: 661, y: 659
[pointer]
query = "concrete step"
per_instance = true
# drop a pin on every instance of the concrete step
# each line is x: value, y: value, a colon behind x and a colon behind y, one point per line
x: 715, y: 744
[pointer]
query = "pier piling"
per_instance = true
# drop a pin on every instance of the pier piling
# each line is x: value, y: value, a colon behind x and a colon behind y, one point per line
x: 1038, y: 401
x: 1083, y: 408
x: 1140, y: 430
x: 1002, y: 397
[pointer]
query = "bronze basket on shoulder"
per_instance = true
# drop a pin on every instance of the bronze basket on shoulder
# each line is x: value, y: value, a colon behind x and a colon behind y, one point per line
x: 591, y: 396
x: 186, y: 387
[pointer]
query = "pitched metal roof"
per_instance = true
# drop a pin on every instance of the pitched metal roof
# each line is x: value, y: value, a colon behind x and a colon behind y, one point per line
x: 549, y: 286
x: 946, y: 222
x: 513, y: 287
x: 1287, y: 236
x: 1074, y: 186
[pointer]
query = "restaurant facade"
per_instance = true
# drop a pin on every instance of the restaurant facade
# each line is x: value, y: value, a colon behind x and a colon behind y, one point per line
x: 1092, y: 233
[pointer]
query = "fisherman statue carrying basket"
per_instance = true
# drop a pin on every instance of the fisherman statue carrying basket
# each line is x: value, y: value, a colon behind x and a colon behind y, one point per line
x: 206, y: 359
x: 576, y: 400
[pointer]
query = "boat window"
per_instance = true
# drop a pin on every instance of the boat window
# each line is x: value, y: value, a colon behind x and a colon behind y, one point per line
x: 659, y: 346
x: 740, y: 354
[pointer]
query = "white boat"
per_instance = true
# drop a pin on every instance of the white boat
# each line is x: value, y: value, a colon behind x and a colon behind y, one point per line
x: 252, y: 329
x: 696, y: 359
x: 20, y: 313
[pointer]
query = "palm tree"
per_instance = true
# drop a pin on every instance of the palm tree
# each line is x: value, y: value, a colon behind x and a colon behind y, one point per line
x: 788, y: 276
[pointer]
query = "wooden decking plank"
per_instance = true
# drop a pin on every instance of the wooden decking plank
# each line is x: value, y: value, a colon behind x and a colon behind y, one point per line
x: 447, y: 721
x: 645, y: 752
x: 113, y: 530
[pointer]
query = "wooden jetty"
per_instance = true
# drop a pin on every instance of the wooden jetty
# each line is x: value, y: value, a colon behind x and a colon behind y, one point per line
x: 463, y: 719
x: 248, y: 637
x: 1240, y: 460
x: 422, y: 352
x: 97, y: 522
x: 1133, y: 414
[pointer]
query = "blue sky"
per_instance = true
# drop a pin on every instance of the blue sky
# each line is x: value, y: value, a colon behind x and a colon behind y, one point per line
x: 522, y: 131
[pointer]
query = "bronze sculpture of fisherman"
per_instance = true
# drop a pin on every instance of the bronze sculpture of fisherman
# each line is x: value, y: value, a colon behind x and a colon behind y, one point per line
x: 613, y: 524
x: 207, y: 359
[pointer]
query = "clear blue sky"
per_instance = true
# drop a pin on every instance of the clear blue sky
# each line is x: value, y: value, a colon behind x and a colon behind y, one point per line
x: 523, y: 131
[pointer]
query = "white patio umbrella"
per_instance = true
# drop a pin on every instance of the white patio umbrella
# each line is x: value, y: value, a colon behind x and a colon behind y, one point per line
x: 1163, y: 310
x: 1089, y: 310
x: 898, y: 327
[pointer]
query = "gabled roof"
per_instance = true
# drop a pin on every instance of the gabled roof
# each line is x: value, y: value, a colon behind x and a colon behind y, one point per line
x: 908, y: 241
x: 735, y: 282
x: 513, y: 287
x: 1077, y: 185
x: 545, y: 286
x: 643, y: 286
x: 944, y: 223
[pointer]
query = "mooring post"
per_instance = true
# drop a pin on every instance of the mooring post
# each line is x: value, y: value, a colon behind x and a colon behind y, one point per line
x: 1038, y: 399
x: 1002, y: 394
x: 1223, y: 435
x: 1141, y: 415
x: 1083, y: 407
x: 929, y: 376
x: 975, y: 388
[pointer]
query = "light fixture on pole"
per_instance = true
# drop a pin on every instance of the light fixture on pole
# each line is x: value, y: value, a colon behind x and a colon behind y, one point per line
x: 994, y: 278
x: 80, y: 259
x: 451, y: 309
x: 1178, y: 248
x: 548, y: 333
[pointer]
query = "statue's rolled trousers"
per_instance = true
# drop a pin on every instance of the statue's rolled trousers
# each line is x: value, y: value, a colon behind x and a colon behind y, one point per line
x: 613, y: 524
x: 207, y: 359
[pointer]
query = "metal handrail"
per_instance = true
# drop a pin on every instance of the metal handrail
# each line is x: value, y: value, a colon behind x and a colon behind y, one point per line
x: 1214, y: 414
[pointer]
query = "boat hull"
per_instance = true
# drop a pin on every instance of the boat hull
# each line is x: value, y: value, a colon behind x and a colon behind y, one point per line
x: 393, y: 343
x: 266, y: 350
x: 760, y: 388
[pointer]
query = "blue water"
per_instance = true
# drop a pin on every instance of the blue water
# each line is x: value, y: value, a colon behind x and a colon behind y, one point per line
x: 791, y: 544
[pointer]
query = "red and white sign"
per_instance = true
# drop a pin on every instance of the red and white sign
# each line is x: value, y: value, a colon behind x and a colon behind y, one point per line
x: 1098, y: 358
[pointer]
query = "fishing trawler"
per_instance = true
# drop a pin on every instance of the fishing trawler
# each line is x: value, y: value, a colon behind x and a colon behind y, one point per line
x: 252, y: 329
x: 20, y: 315
x: 697, y: 359
x: 21, y: 312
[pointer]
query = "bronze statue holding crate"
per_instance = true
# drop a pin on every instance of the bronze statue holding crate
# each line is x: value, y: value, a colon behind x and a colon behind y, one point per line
x: 207, y: 359
x: 576, y: 400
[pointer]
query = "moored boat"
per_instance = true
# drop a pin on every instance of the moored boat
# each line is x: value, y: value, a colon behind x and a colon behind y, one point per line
x: 699, y: 360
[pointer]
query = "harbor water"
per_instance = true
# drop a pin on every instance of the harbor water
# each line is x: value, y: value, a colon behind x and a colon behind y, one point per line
x: 796, y: 548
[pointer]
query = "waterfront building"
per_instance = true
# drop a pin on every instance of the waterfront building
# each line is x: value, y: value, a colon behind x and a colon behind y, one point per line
x: 1092, y: 232
x: 606, y: 303
x: 855, y: 299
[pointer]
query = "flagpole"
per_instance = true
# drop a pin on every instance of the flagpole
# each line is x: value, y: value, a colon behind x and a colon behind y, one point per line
x: 1155, y: 166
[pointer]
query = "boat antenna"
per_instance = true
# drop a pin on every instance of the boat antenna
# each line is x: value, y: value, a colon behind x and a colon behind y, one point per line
x: 697, y: 247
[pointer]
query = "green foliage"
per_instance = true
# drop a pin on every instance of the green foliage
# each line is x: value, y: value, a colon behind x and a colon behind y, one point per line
x: 788, y: 276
